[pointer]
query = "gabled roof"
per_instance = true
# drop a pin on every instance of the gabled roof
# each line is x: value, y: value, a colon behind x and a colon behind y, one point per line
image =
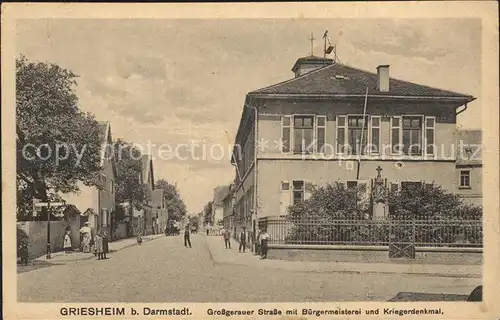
x: 147, y: 167
x: 105, y: 135
x: 339, y: 79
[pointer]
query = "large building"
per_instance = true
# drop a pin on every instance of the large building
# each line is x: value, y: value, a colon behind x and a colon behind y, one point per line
x: 310, y: 130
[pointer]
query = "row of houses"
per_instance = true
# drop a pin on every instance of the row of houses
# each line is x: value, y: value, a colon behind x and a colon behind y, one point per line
x: 308, y: 131
x: 99, y: 206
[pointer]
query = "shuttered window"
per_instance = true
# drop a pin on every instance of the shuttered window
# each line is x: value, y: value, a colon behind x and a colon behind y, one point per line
x: 286, y: 134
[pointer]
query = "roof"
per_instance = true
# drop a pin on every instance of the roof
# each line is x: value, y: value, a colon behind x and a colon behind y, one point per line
x: 105, y: 135
x: 311, y: 60
x: 147, y: 166
x: 339, y: 79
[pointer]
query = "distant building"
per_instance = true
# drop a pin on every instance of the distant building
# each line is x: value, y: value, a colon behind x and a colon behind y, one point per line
x: 469, y: 166
x: 228, y: 209
x: 147, y: 179
x: 97, y: 205
x: 310, y: 130
x: 220, y: 193
x: 160, y: 213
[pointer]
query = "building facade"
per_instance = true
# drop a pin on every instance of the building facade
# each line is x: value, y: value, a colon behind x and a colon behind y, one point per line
x: 332, y: 123
x: 98, y: 205
x: 469, y: 166
x: 220, y: 193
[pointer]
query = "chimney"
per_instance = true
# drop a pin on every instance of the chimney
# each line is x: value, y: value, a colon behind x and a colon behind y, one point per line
x: 383, y: 78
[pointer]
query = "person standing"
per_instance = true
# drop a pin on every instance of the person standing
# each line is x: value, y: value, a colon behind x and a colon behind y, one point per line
x: 139, y: 238
x: 187, y: 240
x: 105, y: 245
x: 263, y: 245
x: 86, y: 233
x: 67, y: 242
x: 23, y: 251
x: 243, y: 240
x: 227, y: 238
x: 98, y: 245
x: 257, y: 243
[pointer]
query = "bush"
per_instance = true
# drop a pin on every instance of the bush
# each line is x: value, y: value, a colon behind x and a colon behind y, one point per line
x: 337, y: 215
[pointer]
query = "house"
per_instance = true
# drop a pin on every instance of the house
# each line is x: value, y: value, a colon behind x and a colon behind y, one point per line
x: 220, y: 192
x: 310, y: 130
x: 144, y: 217
x: 160, y: 213
x: 228, y: 208
x: 469, y: 166
x: 97, y: 206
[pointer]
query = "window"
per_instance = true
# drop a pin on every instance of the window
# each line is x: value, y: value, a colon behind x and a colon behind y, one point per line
x: 302, y: 134
x: 410, y: 185
x: 285, y: 134
x: 341, y: 125
x: 357, y: 130
x: 298, y: 191
x: 375, y: 135
x: 395, y: 135
x: 285, y: 186
x: 412, y: 136
x: 320, y: 133
x: 464, y: 179
x: 430, y: 123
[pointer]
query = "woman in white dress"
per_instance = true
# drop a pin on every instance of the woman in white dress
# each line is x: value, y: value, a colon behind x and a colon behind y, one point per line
x: 85, y: 231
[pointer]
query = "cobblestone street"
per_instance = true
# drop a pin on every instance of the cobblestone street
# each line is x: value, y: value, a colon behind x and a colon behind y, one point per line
x: 163, y: 270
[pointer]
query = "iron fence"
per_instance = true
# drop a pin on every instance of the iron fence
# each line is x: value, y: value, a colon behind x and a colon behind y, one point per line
x: 367, y: 232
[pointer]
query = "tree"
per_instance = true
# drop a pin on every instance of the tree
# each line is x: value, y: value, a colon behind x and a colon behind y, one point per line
x: 334, y: 214
x: 57, y: 144
x: 208, y: 213
x: 175, y: 205
x: 129, y: 167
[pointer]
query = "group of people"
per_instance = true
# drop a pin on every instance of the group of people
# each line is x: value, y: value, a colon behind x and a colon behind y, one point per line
x: 98, y: 244
x: 260, y: 243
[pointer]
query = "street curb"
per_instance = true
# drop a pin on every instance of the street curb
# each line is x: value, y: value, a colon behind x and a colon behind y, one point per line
x: 91, y: 256
x: 430, y: 274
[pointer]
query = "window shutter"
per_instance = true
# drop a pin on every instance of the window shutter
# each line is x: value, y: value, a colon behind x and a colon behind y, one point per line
x: 285, y: 197
x: 430, y: 138
x: 308, y: 189
x: 320, y: 133
x: 396, y: 133
x: 374, y: 135
x: 286, y: 134
x: 341, y: 134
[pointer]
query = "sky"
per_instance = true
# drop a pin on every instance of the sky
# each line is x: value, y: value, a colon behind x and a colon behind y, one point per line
x: 179, y: 81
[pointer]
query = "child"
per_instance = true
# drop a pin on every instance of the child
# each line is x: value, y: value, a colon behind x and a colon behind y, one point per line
x: 139, y: 237
x: 67, y: 242
x: 98, y: 245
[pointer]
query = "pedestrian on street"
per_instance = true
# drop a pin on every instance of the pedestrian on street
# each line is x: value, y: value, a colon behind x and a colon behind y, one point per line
x: 227, y: 238
x: 263, y: 245
x: 243, y: 240
x: 98, y: 245
x: 105, y: 245
x: 257, y: 243
x: 67, y: 242
x: 187, y: 240
x: 86, y: 233
x: 23, y: 251
x: 139, y: 238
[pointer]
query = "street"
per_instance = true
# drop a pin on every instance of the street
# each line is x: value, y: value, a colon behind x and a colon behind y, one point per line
x: 163, y: 270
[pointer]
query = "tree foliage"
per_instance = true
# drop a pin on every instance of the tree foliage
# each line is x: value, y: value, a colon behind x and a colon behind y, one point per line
x: 334, y: 214
x: 47, y: 116
x: 129, y: 167
x: 207, y: 219
x: 175, y: 205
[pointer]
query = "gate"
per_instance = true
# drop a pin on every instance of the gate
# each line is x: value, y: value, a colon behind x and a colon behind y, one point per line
x: 402, y: 239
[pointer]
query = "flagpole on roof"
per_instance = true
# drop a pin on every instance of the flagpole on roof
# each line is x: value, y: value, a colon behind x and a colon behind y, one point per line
x: 362, y: 134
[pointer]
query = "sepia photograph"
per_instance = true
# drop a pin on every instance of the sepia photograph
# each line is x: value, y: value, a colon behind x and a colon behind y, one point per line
x: 247, y: 160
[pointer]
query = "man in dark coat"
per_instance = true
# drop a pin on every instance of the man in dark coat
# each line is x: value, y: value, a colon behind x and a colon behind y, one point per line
x: 187, y: 240
x: 243, y: 240
x: 105, y: 245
